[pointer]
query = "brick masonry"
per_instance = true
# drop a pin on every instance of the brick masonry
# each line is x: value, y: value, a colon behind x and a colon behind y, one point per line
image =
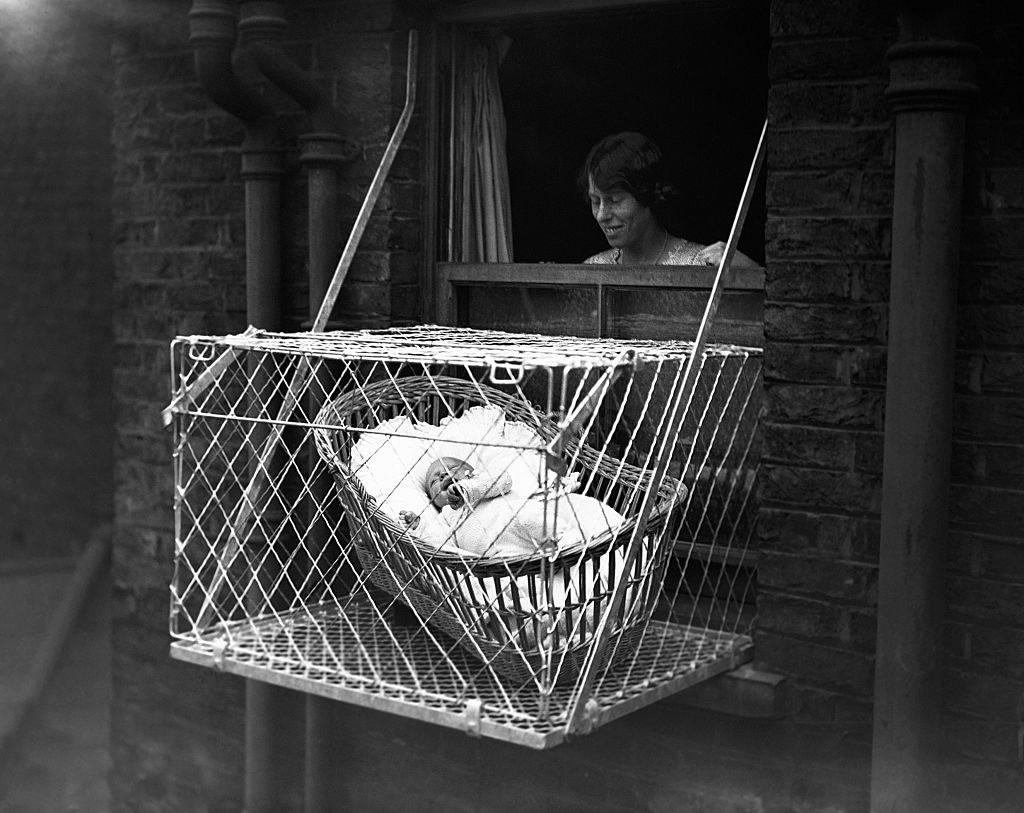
x: 829, y: 196
x: 178, y: 266
x: 178, y: 203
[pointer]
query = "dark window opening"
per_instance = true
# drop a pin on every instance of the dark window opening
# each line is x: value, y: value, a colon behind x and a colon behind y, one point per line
x: 692, y: 79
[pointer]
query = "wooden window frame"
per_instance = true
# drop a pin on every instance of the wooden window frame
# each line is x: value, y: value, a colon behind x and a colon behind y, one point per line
x: 438, y: 278
x: 604, y: 278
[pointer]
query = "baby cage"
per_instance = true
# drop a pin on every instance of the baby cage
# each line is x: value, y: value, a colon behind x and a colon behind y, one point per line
x: 485, y: 530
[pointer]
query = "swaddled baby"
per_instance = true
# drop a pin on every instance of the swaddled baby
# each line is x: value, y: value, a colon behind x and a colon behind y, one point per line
x: 480, y: 514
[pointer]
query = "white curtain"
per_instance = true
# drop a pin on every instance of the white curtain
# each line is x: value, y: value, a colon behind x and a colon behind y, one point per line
x: 480, y: 220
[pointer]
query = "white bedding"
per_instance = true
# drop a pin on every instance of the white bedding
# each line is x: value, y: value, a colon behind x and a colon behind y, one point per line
x: 392, y: 464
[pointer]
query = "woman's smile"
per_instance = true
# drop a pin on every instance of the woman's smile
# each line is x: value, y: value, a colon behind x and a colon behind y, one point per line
x: 623, y: 220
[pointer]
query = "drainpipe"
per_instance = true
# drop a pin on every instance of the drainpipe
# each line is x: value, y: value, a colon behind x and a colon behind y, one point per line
x: 212, y: 25
x: 323, y: 150
x: 321, y: 154
x: 261, y: 26
x: 212, y: 36
x: 931, y: 85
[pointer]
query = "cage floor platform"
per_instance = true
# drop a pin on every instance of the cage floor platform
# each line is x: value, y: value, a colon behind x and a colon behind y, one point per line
x: 347, y: 655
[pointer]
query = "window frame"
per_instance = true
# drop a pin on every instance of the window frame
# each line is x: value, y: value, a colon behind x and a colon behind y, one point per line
x: 444, y: 17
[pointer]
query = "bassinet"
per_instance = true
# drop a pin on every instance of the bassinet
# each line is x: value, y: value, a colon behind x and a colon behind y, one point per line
x: 468, y: 598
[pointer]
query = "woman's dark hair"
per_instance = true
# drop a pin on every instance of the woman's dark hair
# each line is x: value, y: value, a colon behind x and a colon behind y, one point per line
x: 629, y: 161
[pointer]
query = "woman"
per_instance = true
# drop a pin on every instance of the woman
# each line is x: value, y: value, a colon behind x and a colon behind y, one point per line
x: 622, y: 180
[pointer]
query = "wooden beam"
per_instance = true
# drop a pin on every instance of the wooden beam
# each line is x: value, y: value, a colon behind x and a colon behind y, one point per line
x: 696, y: 277
x: 743, y: 692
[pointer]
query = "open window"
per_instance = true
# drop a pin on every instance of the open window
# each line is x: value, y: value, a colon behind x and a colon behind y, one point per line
x: 692, y: 75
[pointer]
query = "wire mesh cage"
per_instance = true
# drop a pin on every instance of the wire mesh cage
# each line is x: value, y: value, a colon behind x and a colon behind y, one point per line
x: 520, y: 536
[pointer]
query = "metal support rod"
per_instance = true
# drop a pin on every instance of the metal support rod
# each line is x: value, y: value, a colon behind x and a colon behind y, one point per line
x: 931, y: 85
x: 376, y: 185
x: 579, y: 720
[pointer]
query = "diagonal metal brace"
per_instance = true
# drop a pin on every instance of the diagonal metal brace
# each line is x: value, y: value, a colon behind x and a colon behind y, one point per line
x: 579, y: 720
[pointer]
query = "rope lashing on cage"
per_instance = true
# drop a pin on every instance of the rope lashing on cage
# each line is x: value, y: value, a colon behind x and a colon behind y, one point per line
x: 581, y: 716
x: 258, y: 482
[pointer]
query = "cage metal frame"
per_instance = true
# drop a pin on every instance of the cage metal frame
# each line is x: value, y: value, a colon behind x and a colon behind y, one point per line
x: 523, y: 715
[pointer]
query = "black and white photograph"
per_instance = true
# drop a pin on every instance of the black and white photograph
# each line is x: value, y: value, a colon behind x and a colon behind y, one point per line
x: 471, y: 406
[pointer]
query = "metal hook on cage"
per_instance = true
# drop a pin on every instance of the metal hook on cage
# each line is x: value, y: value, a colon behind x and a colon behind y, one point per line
x: 220, y: 646
x: 204, y: 355
x: 514, y: 373
x: 471, y: 715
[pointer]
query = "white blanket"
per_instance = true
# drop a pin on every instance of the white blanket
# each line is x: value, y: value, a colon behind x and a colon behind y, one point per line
x: 539, y: 508
x: 392, y: 461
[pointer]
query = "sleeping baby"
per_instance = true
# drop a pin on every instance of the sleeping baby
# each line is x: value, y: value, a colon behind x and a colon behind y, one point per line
x: 479, y: 513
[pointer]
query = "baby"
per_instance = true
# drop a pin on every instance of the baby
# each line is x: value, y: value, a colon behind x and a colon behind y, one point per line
x: 480, y: 515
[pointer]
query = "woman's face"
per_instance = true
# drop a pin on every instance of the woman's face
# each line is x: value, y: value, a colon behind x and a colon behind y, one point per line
x: 622, y: 218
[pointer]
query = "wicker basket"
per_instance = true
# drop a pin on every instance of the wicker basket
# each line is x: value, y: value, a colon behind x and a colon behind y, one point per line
x: 465, y: 597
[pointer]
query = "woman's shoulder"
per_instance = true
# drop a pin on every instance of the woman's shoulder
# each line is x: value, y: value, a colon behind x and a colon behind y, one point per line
x: 677, y: 251
x: 680, y: 251
x: 607, y: 257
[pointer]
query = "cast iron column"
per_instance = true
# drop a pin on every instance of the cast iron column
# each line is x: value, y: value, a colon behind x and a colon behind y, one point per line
x: 931, y: 84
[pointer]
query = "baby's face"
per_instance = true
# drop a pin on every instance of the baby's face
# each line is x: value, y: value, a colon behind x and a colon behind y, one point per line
x: 442, y: 473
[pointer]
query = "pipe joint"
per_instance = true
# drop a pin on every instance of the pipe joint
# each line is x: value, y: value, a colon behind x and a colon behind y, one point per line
x: 212, y: 21
x: 327, y: 150
x: 931, y: 75
x: 261, y: 20
x: 261, y: 161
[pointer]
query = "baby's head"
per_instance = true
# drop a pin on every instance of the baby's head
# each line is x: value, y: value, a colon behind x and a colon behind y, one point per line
x: 441, y: 474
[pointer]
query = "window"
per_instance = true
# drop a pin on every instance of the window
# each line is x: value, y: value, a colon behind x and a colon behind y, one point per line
x: 690, y: 75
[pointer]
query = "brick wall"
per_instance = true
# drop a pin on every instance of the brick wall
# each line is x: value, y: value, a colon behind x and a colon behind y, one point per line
x: 179, y: 268
x: 177, y: 729
x: 984, y: 679
x: 55, y: 274
x: 829, y: 198
x: 829, y: 209
x: 179, y: 257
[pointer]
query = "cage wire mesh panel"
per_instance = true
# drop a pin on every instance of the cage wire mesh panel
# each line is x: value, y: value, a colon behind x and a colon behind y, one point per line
x: 435, y: 521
